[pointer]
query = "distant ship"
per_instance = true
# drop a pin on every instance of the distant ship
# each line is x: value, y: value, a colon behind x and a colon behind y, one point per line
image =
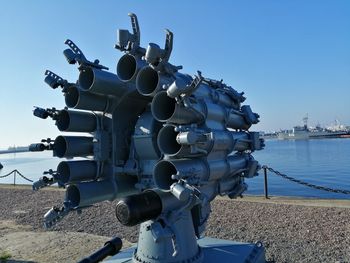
x: 304, y: 132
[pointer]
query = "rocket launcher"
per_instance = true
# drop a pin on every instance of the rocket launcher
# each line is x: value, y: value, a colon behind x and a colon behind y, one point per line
x: 163, y: 142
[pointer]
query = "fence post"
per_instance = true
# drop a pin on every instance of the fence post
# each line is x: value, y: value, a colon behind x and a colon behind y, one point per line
x: 265, y: 182
x: 14, y: 177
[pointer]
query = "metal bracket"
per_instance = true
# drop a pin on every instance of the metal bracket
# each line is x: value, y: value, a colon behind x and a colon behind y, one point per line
x: 128, y: 42
x: 229, y: 91
x: 43, y: 182
x: 44, y: 145
x: 75, y: 55
x: 57, y: 213
x: 159, y: 58
x: 192, y: 87
x: 55, y: 177
x: 54, y: 215
x: 55, y: 81
x: 44, y: 113
x: 169, y: 37
x: 135, y: 28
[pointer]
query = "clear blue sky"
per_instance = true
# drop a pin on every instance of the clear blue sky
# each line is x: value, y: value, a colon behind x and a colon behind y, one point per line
x: 289, y: 57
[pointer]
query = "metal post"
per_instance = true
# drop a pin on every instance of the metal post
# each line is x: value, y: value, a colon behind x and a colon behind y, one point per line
x: 14, y: 177
x: 265, y: 183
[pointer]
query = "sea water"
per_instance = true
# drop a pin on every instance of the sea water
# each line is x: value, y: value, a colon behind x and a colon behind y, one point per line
x: 324, y: 162
x: 30, y: 164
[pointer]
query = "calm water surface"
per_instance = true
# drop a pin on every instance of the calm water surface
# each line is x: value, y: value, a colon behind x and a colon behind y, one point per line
x: 323, y: 162
x: 30, y: 165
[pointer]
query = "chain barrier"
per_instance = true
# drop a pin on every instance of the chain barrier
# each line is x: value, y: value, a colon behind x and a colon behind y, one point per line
x: 3, y: 176
x: 25, y: 178
x: 16, y: 172
x: 318, y: 187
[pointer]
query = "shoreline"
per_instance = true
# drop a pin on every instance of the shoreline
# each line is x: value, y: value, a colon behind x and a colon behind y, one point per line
x: 289, y: 230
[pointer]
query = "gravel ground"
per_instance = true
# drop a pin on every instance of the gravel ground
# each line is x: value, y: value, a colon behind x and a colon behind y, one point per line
x: 25, y: 245
x: 290, y: 233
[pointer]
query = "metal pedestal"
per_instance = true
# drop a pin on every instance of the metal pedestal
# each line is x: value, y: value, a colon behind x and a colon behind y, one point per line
x: 214, y: 250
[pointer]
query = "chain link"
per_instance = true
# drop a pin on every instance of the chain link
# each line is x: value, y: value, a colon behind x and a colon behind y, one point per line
x: 29, y: 180
x: 5, y: 175
x: 318, y: 187
x: 16, y: 171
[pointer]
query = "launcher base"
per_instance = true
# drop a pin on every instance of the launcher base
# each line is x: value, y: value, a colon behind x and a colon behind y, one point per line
x: 214, y: 250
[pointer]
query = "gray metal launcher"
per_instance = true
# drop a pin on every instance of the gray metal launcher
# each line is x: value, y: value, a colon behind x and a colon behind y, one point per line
x: 162, y: 142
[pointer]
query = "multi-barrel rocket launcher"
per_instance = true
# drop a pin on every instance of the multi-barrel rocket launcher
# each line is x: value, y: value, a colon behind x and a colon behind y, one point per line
x: 163, y: 142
